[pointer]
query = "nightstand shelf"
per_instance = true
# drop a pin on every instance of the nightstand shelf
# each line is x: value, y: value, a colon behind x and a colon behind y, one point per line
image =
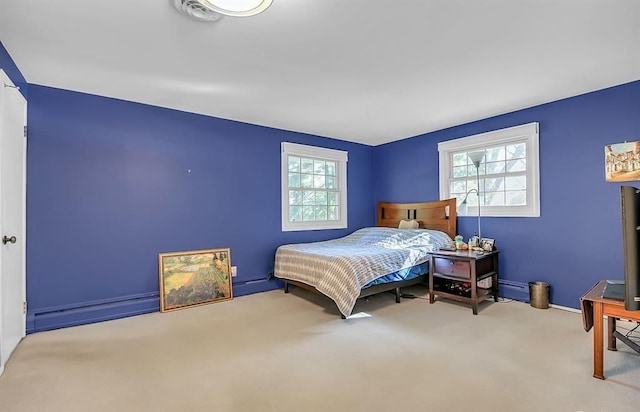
x: 455, y: 275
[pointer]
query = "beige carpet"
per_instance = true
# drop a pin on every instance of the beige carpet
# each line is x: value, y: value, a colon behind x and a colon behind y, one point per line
x: 277, y: 352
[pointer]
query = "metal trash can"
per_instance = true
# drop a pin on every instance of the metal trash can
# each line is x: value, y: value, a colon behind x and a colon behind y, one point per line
x: 539, y: 295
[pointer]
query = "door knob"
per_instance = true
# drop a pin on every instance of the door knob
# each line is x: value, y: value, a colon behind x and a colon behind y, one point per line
x: 7, y: 239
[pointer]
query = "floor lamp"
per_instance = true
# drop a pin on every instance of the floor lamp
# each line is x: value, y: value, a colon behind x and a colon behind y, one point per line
x: 476, y: 159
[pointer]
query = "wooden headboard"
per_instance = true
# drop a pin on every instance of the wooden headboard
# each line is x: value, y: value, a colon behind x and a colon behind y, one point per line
x: 438, y: 215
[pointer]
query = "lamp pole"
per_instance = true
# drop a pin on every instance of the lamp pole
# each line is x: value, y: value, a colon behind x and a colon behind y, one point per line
x: 463, y: 206
x: 476, y: 158
x: 478, y: 193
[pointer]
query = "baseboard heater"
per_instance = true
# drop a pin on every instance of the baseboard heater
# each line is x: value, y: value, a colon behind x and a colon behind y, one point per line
x: 513, y: 290
x: 91, y: 312
x: 57, y: 317
x: 255, y: 286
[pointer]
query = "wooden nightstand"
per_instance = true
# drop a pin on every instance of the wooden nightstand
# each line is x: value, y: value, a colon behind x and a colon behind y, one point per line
x: 451, y: 272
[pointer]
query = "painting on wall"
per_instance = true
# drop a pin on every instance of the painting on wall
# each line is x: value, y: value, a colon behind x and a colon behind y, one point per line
x: 194, y: 278
x: 622, y: 162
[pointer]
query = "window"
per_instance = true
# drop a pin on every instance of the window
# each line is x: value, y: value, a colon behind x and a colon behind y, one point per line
x: 314, y: 188
x: 508, y: 173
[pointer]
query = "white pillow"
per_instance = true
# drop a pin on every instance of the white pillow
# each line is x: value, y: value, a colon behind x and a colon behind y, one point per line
x: 408, y: 224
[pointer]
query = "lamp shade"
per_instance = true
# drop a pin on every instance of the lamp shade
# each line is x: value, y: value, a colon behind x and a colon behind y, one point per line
x: 462, y: 208
x: 476, y: 158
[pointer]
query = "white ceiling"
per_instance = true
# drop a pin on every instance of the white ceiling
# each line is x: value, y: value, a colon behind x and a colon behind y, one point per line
x: 367, y: 71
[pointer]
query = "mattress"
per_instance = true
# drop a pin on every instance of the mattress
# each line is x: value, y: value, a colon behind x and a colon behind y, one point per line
x: 400, y: 275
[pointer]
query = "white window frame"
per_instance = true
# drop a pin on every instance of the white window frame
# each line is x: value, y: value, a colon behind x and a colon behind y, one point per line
x: 341, y: 158
x: 527, y: 133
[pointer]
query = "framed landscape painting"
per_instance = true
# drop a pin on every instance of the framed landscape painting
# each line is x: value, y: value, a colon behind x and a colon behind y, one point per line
x: 194, y: 278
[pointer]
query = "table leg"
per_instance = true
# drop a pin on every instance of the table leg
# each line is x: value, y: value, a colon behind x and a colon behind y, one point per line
x: 431, y: 297
x: 611, y: 329
x: 474, y: 288
x: 494, y: 281
x: 598, y: 341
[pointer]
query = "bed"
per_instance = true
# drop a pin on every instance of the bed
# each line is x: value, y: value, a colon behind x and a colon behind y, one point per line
x: 370, y: 260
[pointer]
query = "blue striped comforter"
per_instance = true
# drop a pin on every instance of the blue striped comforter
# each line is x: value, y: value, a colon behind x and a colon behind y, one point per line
x: 339, y: 268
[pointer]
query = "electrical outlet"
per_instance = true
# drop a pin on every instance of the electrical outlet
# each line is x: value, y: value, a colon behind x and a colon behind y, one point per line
x: 234, y: 271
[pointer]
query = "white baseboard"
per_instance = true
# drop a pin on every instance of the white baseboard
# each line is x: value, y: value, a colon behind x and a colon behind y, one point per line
x: 568, y: 309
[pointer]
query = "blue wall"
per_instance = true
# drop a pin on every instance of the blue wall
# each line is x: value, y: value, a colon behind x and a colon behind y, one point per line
x: 577, y: 240
x: 109, y: 188
x: 9, y: 66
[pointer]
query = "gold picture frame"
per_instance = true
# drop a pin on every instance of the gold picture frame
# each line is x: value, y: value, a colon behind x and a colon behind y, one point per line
x: 194, y: 278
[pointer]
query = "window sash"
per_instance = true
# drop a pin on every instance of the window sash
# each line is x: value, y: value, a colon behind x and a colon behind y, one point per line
x: 511, y: 160
x: 313, y: 188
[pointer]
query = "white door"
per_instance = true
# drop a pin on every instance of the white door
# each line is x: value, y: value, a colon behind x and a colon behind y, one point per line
x: 13, y: 116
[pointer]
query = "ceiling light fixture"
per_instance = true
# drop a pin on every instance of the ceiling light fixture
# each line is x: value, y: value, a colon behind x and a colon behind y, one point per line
x: 237, y: 8
x: 195, y: 10
x: 214, y: 10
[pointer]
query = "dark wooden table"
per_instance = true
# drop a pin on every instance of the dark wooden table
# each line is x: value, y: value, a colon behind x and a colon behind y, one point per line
x: 594, y: 308
x: 464, y: 267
